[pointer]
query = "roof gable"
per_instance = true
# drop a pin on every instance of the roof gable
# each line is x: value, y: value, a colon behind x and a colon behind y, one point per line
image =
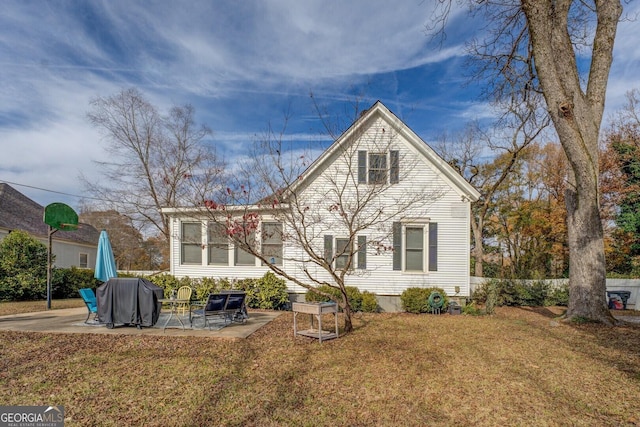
x: 379, y: 110
x: 18, y: 212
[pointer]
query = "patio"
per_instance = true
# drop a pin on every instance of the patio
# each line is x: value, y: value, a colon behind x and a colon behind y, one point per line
x: 71, y: 320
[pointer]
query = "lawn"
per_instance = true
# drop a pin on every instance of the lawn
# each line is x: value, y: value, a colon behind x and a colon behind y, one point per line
x: 517, y: 367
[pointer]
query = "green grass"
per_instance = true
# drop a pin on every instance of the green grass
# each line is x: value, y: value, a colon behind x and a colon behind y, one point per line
x: 517, y: 367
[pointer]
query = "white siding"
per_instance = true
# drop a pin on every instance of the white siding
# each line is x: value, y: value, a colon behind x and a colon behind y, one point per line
x: 449, y: 210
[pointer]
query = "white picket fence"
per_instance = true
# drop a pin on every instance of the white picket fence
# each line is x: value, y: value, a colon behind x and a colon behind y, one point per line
x: 630, y: 285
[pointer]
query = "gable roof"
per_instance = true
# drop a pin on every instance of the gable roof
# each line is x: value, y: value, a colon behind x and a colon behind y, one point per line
x: 378, y: 109
x: 18, y: 212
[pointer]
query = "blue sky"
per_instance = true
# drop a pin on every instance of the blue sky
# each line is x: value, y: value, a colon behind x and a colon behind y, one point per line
x: 241, y: 64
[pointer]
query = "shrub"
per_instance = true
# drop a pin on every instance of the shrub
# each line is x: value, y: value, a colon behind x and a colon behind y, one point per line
x: 369, y: 302
x: 205, y: 286
x: 521, y: 293
x: 65, y: 282
x: 354, y: 296
x: 416, y: 300
x: 23, y: 267
x: 471, y: 310
x: 268, y: 293
x: 169, y: 282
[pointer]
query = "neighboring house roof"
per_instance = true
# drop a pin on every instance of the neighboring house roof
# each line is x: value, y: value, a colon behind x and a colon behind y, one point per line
x: 18, y: 212
x: 380, y: 110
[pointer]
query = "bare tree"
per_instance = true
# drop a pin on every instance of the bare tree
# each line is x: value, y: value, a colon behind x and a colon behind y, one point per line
x: 154, y: 161
x: 317, y: 201
x: 531, y: 47
x: 520, y: 124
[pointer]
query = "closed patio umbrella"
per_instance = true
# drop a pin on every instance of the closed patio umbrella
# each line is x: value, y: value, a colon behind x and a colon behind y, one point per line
x: 105, y: 263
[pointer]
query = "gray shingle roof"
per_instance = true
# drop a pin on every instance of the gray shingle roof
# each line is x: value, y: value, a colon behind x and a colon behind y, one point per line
x: 18, y: 212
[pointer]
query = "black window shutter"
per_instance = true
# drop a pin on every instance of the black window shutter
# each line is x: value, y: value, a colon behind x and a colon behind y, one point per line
x: 362, y: 167
x: 397, y: 246
x: 362, y: 252
x: 433, y: 246
x: 394, y: 171
x: 328, y: 248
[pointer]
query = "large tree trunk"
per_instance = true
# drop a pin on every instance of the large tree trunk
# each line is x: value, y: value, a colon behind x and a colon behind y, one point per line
x: 478, y: 250
x: 577, y: 116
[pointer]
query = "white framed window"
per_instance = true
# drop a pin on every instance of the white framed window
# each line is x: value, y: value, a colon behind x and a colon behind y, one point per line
x: 191, y: 243
x: 271, y: 234
x: 218, y: 244
x: 414, y: 249
x: 415, y: 246
x: 343, y: 249
x: 378, y: 167
x: 242, y: 257
x: 84, y: 260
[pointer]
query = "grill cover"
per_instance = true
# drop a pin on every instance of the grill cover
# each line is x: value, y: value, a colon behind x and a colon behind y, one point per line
x: 129, y: 301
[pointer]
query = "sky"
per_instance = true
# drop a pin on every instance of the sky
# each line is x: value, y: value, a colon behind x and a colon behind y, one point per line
x: 243, y: 65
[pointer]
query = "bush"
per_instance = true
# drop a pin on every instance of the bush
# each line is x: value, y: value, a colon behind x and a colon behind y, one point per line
x: 416, y: 300
x: 369, y: 302
x: 169, y: 282
x: 207, y: 285
x: 354, y: 296
x: 471, y: 310
x: 65, y: 282
x: 23, y: 267
x: 267, y: 293
x: 521, y: 293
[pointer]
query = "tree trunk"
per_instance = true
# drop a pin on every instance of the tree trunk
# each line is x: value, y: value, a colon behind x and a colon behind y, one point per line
x: 346, y: 310
x: 577, y: 117
x: 587, y: 271
x: 478, y: 250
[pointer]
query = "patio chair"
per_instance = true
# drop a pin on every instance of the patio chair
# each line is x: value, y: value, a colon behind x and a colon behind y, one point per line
x: 89, y: 298
x: 184, y: 292
x: 236, y: 310
x: 215, y: 307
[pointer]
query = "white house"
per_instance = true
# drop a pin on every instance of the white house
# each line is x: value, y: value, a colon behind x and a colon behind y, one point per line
x: 71, y: 248
x: 379, y: 201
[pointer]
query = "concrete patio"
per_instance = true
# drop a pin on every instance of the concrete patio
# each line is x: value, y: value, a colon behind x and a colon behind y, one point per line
x: 71, y: 320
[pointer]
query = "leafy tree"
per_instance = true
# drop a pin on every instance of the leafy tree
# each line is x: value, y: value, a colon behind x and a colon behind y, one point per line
x: 521, y: 123
x: 621, y: 185
x: 131, y: 251
x: 23, y: 267
x: 531, y: 48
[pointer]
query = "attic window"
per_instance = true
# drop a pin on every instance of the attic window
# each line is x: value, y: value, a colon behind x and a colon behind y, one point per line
x: 378, y: 168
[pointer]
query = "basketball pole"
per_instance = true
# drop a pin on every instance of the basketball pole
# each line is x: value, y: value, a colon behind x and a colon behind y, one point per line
x: 49, y: 257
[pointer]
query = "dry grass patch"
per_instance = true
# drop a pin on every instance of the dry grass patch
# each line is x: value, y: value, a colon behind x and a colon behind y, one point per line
x: 518, y: 367
x: 10, y: 307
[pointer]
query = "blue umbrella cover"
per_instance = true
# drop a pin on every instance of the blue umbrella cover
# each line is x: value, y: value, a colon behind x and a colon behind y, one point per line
x: 105, y: 263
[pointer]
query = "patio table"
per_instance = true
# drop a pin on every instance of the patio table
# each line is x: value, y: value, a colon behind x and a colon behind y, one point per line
x: 174, y: 303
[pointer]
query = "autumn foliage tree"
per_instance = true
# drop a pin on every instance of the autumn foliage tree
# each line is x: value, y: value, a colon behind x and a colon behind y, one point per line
x: 531, y: 47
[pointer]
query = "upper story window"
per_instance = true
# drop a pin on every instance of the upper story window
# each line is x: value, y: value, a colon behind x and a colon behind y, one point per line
x: 378, y: 168
x: 191, y: 243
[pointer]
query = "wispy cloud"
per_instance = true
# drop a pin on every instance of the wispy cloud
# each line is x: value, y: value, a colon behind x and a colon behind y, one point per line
x: 242, y: 64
